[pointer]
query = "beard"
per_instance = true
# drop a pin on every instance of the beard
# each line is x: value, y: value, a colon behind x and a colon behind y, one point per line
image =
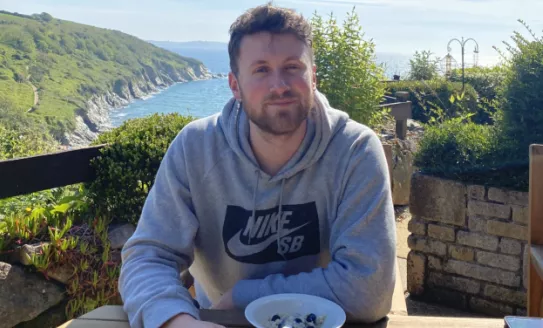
x: 279, y: 122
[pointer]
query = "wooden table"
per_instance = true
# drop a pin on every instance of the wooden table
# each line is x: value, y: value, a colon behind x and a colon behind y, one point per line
x: 114, y: 317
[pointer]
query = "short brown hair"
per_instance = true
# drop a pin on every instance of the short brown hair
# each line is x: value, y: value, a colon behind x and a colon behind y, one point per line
x: 267, y: 18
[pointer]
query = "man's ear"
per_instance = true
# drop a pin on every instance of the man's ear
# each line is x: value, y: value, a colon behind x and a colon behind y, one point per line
x: 314, y: 77
x: 234, y: 86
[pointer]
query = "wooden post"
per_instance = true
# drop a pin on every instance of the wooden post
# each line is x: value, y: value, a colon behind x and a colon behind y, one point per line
x: 401, y: 124
x: 535, y: 238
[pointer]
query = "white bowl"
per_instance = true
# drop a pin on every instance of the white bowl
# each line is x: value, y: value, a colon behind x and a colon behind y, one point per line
x: 259, y: 311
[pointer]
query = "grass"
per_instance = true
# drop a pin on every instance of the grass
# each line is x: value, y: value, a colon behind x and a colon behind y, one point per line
x: 19, y: 95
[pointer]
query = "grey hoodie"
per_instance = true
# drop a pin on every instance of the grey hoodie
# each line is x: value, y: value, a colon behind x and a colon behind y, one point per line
x: 323, y: 225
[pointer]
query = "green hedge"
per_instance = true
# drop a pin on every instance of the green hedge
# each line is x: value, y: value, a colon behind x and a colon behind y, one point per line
x: 472, y: 153
x: 126, y: 169
x: 427, y: 96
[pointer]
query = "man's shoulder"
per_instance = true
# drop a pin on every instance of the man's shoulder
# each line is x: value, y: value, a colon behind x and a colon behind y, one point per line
x: 355, y: 133
x: 202, y: 125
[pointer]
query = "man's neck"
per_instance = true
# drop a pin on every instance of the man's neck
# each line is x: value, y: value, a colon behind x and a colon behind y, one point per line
x: 273, y: 152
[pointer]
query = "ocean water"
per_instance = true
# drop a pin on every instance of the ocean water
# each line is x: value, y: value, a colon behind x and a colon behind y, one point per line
x: 204, y: 98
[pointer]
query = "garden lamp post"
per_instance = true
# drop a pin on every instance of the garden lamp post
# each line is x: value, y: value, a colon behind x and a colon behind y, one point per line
x: 463, y: 46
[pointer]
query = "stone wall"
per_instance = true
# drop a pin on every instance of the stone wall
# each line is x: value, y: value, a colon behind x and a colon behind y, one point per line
x: 468, y: 246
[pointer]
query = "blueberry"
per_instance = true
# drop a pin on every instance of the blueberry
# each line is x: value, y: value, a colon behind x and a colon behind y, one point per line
x: 311, y: 318
x: 298, y: 320
x: 310, y: 326
x: 276, y: 317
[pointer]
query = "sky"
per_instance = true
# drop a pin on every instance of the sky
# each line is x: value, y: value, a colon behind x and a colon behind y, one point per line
x: 395, y: 26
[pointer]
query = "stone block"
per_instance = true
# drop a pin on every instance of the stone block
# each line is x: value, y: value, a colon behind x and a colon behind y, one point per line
x: 505, y: 229
x: 416, y: 271
x: 457, y: 283
x: 521, y: 214
x: 477, y: 240
x: 508, y: 196
x: 505, y: 295
x: 402, y: 170
x: 490, y: 308
x: 426, y: 245
x: 476, y: 223
x: 435, y: 263
x: 417, y: 226
x: 461, y: 253
x: 25, y: 295
x: 438, y: 199
x: 506, y: 262
x: 497, y: 195
x: 476, y: 192
x: 441, y: 232
x: 476, y: 207
x: 118, y: 236
x: 476, y: 271
x: 510, y: 246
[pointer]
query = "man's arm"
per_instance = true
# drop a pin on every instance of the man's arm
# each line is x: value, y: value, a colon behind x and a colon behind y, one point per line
x: 161, y: 248
x: 361, y: 274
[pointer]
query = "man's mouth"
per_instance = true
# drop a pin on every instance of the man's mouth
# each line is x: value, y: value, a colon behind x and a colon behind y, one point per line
x: 282, y: 102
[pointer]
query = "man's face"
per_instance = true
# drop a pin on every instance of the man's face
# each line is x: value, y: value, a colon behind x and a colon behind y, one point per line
x: 276, y: 81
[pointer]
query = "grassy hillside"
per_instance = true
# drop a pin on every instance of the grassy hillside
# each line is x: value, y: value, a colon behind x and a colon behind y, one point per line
x: 67, y: 63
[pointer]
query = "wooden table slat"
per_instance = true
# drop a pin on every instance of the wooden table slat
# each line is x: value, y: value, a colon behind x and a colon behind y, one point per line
x: 114, y: 317
x: 82, y: 323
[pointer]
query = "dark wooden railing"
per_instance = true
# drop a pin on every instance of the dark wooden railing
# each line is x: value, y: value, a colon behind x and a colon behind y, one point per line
x: 29, y: 174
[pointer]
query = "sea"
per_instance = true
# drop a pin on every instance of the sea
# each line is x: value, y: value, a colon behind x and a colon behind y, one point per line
x: 207, y: 97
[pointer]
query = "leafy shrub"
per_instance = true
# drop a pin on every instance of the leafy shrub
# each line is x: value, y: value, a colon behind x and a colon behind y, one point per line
x: 429, y: 96
x: 73, y: 239
x: 347, y: 73
x: 486, y: 81
x: 422, y: 67
x: 472, y: 153
x: 522, y: 119
x: 126, y: 169
x: 22, y: 143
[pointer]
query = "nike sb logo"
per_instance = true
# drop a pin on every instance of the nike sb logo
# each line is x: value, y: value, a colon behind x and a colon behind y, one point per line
x: 266, y: 237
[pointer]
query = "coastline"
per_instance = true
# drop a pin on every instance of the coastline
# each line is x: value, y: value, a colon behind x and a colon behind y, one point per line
x: 95, y: 119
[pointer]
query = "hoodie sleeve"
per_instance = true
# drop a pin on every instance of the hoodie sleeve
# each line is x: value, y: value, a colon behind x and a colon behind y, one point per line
x: 361, y: 274
x: 160, y: 248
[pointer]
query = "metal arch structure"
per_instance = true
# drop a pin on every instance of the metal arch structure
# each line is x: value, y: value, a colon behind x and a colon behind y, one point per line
x: 463, y: 47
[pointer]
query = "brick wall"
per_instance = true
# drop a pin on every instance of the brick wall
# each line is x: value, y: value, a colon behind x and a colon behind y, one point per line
x: 468, y: 246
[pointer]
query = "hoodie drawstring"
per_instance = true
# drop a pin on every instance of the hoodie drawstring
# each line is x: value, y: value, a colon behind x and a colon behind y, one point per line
x: 279, y: 215
x: 254, y: 203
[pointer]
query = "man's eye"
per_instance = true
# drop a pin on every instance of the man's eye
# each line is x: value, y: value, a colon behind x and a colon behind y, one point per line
x: 292, y: 67
x: 261, y: 70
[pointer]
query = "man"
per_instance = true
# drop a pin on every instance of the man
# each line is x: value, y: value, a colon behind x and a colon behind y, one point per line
x: 278, y: 193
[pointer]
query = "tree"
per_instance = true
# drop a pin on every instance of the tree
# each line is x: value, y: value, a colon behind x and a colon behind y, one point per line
x: 346, y: 70
x: 423, y: 67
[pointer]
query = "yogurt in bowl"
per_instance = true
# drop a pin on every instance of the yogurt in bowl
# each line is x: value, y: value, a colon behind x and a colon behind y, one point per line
x: 294, y: 311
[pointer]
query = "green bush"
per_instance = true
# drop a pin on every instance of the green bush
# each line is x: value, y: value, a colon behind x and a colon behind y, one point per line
x: 430, y: 96
x: 347, y: 73
x: 486, y: 81
x: 522, y: 118
x: 126, y: 169
x: 472, y: 153
x: 422, y: 67
x: 22, y: 143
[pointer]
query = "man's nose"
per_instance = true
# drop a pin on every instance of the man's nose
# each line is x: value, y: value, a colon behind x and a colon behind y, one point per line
x: 278, y: 83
